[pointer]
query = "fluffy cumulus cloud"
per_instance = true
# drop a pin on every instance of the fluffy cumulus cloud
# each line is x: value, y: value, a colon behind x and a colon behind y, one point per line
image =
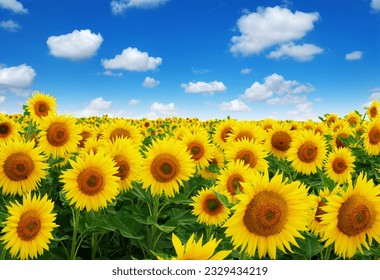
x: 16, y: 77
x: 150, y: 82
x: 204, y: 87
x: 97, y: 106
x: 375, y: 4
x: 271, y: 26
x: 303, y: 111
x: 235, y: 105
x: 276, y: 90
x: 13, y: 5
x: 355, y: 55
x: 119, y: 6
x: 132, y: 59
x: 246, y: 71
x: 9, y: 25
x: 304, y: 52
x: 77, y: 45
x: 158, y: 109
x: 134, y: 102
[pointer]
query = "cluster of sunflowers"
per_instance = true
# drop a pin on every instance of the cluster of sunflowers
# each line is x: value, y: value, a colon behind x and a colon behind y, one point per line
x: 115, y: 188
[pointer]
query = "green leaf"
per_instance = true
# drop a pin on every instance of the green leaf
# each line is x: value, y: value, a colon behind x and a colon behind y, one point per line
x: 223, y: 199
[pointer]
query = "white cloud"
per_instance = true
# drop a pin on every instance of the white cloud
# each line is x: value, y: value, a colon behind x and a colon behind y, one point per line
x: 245, y: 71
x: 16, y: 78
x: 2, y: 99
x: 355, y: 55
x: 119, y: 6
x: 113, y: 74
x: 132, y: 59
x: 75, y: 45
x: 98, y: 106
x: 275, y: 84
x: 204, y: 87
x: 305, y: 52
x: 375, y: 4
x: 303, y: 111
x: 235, y: 105
x: 150, y: 82
x: 9, y: 25
x: 133, y: 102
x: 158, y: 108
x: 269, y: 27
x: 13, y: 5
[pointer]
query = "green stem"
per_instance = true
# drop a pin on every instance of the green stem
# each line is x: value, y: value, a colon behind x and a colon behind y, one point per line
x: 327, y: 252
x: 94, y: 245
x: 76, y: 214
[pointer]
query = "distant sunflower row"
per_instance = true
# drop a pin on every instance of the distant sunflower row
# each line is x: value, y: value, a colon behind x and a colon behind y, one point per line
x: 263, y: 183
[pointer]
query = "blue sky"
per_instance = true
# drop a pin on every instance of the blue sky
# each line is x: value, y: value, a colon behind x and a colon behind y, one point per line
x: 208, y: 59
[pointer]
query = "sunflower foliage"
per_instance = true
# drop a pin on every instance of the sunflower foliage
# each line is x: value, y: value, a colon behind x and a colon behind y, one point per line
x: 182, y: 188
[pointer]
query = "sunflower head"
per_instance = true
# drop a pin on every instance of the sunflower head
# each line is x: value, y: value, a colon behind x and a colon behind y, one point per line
x: 40, y: 105
x: 352, y: 217
x: 28, y: 228
x: 268, y: 215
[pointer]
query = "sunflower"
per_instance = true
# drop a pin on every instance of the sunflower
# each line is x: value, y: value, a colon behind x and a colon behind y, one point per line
x: 331, y: 118
x: 91, y: 182
x: 59, y: 135
x: 40, y: 105
x: 217, y: 159
x: 246, y: 129
x: 166, y: 167
x: 199, y: 146
x: 278, y: 139
x: 373, y: 109
x: 352, y: 218
x: 250, y: 152
x: 269, y: 215
x: 320, y: 200
x: 353, y: 118
x: 121, y: 128
x: 208, y: 209
x: 8, y: 128
x: 92, y: 145
x: 222, y: 131
x: 22, y: 166
x: 343, y: 132
x: 194, y: 250
x: 307, y: 152
x: 28, y: 228
x: 126, y: 155
x: 339, y: 165
x: 371, y: 137
x: 230, y: 179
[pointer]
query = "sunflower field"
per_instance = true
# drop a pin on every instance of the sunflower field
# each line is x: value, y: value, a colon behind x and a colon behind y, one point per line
x: 181, y: 188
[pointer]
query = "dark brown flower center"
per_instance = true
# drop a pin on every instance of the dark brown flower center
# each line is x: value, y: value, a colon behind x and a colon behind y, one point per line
x: 307, y: 152
x: 123, y: 167
x: 248, y: 157
x: 119, y: 133
x: 41, y: 108
x: 18, y: 166
x: 374, y: 136
x: 266, y: 214
x: 164, y: 167
x: 281, y: 141
x: 196, y: 150
x: 5, y: 130
x: 211, y: 205
x: 320, y: 212
x: 29, y: 225
x: 234, y: 182
x: 356, y: 215
x: 339, y: 165
x: 57, y: 134
x: 90, y: 181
